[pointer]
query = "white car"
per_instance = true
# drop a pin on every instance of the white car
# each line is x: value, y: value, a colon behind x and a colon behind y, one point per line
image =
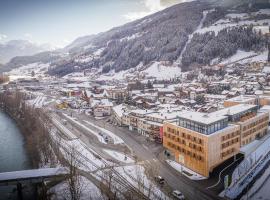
x: 178, y: 195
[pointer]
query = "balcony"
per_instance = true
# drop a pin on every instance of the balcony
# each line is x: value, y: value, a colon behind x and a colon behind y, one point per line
x: 247, y: 116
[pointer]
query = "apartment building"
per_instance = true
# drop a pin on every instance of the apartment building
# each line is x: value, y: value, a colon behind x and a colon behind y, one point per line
x: 119, y: 94
x: 151, y: 125
x: 242, y: 99
x: 202, y: 141
x: 260, y: 100
x: 136, y: 119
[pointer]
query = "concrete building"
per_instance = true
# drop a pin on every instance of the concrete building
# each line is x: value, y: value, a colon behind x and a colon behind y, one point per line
x: 202, y: 141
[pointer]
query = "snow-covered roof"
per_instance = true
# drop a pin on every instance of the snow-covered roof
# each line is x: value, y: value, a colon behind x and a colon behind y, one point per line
x: 242, y: 99
x: 202, y: 118
x: 141, y: 111
x: 233, y: 110
x: 164, y: 115
x: 34, y: 173
x: 119, y: 109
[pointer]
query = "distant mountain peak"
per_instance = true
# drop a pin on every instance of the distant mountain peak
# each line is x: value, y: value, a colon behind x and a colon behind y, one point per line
x: 13, y: 48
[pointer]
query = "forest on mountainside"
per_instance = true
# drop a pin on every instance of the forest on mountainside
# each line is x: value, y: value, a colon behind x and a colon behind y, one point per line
x: 203, y: 48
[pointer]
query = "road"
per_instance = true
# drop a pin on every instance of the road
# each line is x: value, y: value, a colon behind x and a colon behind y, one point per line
x: 150, y: 153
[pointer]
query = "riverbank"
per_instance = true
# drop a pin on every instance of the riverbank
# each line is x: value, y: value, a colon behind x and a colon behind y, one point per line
x: 13, y: 156
x: 33, y: 124
x: 33, y: 162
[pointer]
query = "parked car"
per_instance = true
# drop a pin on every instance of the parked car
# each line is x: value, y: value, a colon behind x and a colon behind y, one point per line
x: 178, y: 195
x: 160, y: 180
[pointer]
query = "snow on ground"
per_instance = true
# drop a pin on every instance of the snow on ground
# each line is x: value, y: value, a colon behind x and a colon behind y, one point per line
x: 238, y: 56
x: 116, y: 139
x: 38, y: 68
x: 131, y: 37
x: 98, y: 52
x: 247, y: 170
x: 38, y: 102
x: 250, y: 160
x: 119, y: 156
x: 87, y: 159
x: 263, y: 11
x: 161, y: 72
x: 13, y: 77
x: 238, y: 15
x: 227, y: 22
x: 156, y: 70
x: 182, y: 169
x: 216, y: 27
x: 262, y: 57
x: 117, y: 76
x: 135, y: 175
x: 74, y: 120
x: 89, y: 190
x: 73, y: 74
x: 260, y: 189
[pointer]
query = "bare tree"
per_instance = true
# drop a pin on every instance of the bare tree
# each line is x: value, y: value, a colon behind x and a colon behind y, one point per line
x: 75, y: 184
x: 151, y: 171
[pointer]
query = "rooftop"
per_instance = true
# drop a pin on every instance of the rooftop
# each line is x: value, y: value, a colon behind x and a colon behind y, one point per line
x: 242, y: 99
x: 203, y: 118
x: 233, y: 110
x: 209, y: 118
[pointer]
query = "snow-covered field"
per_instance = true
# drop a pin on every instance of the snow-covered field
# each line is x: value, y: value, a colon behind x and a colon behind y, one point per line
x: 37, y: 68
x: 155, y: 70
x: 136, y: 176
x: 88, y: 190
x: 239, y: 56
x: 159, y: 71
x: 87, y: 159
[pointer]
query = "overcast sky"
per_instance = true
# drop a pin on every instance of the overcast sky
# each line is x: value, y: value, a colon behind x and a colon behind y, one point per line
x: 59, y: 22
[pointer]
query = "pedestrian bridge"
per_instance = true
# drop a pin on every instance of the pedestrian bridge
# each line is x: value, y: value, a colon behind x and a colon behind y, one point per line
x: 32, y: 176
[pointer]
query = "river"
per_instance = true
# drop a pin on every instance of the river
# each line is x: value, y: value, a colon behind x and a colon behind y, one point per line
x: 13, y: 156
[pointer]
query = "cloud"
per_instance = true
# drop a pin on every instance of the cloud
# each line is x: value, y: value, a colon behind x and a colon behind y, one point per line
x: 28, y: 36
x: 3, y: 36
x: 151, y: 6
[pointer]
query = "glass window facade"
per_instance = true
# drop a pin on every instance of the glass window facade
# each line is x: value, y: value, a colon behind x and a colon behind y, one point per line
x: 203, y: 128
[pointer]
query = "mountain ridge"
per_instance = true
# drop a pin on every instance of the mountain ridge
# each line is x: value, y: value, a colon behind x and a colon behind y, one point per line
x: 164, y: 36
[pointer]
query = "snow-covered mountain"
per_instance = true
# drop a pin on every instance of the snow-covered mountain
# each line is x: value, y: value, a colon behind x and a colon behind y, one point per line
x: 15, y: 48
x: 186, y: 36
x: 191, y: 34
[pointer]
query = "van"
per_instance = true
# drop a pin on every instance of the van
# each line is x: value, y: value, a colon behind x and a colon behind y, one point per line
x: 178, y: 195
